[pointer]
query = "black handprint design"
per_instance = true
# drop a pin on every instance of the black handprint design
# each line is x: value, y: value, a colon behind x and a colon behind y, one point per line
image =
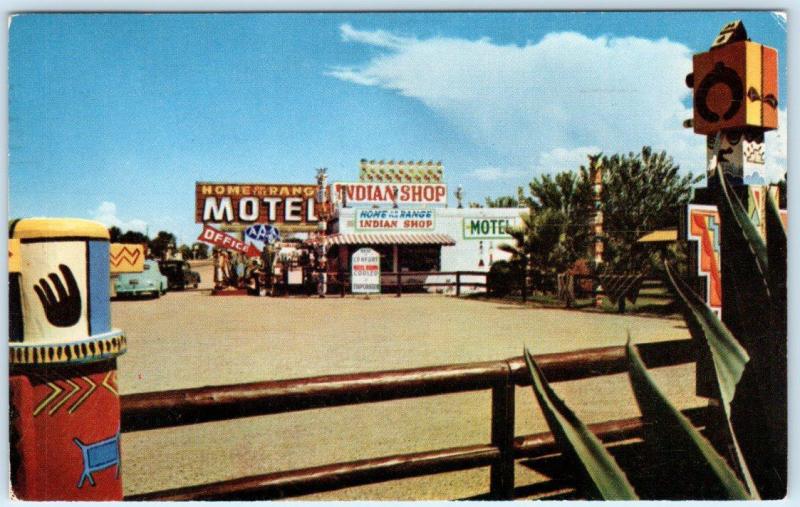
x: 64, y: 310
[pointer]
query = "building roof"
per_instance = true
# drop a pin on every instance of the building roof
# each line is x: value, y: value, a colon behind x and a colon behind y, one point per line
x: 662, y: 236
x: 390, y: 238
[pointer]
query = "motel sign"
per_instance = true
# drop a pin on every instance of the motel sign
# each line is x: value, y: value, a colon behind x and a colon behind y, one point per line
x: 486, y: 228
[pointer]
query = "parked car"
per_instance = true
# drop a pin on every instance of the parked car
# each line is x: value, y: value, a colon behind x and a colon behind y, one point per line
x: 150, y: 281
x: 179, y: 275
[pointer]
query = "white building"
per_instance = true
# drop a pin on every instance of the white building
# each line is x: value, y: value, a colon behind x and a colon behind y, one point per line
x: 425, y: 239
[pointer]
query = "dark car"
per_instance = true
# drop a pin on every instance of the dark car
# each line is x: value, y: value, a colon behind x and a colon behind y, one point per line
x: 178, y: 274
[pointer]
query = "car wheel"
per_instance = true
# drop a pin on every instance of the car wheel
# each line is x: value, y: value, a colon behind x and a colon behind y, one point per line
x: 195, y: 285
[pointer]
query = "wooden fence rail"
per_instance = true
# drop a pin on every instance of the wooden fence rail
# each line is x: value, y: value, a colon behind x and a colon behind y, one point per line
x: 341, y: 279
x: 146, y: 411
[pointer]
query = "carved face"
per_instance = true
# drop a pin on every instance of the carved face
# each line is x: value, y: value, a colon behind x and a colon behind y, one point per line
x: 740, y: 153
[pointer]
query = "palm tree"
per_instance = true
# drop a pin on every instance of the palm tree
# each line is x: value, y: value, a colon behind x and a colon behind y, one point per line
x: 539, y: 244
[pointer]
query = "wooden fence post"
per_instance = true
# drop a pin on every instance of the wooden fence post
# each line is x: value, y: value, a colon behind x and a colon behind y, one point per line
x: 503, y: 411
x: 341, y: 282
x: 458, y: 283
x: 399, y: 285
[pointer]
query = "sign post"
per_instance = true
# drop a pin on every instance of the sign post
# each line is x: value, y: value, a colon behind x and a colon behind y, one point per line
x: 365, y: 272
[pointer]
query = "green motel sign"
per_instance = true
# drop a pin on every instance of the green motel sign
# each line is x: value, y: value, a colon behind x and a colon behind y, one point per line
x: 486, y: 228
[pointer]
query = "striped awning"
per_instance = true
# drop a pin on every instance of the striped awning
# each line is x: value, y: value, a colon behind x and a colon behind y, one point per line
x: 390, y: 238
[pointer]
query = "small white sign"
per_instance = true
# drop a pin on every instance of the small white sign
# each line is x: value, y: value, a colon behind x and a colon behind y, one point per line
x: 394, y: 219
x: 365, y: 273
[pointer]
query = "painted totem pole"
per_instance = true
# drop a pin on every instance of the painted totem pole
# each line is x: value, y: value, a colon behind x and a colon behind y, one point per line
x: 64, y: 401
x: 596, y: 175
x: 735, y: 90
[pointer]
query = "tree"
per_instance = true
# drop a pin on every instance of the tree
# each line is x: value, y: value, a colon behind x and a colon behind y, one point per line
x: 504, y: 201
x: 159, y: 244
x: 133, y: 237
x: 200, y: 250
x: 186, y: 252
x: 538, y: 243
x: 641, y: 193
x: 114, y: 233
x: 566, y: 196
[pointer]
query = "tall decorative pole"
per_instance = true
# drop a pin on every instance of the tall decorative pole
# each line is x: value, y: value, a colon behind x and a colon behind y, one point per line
x: 735, y: 91
x: 596, y: 175
x: 64, y: 401
x: 735, y: 88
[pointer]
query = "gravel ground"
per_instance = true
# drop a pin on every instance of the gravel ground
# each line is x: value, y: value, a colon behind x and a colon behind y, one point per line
x: 191, y: 339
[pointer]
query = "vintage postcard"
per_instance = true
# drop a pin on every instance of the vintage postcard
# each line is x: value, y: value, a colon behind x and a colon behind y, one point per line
x: 398, y: 255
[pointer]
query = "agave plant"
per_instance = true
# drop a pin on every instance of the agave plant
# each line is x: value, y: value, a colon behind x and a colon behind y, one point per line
x: 748, y: 365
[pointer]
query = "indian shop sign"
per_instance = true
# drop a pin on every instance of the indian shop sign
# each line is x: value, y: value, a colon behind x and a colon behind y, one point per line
x: 391, y: 193
x: 239, y: 203
x: 486, y: 228
x: 394, y: 219
x: 365, y: 274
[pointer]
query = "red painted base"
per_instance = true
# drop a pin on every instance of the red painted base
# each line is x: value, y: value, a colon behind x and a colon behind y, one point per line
x: 64, y: 425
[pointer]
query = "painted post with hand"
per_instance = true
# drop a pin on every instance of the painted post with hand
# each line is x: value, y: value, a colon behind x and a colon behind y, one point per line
x: 64, y: 399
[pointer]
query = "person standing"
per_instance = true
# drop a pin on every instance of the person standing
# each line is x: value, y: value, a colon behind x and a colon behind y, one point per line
x: 322, y: 276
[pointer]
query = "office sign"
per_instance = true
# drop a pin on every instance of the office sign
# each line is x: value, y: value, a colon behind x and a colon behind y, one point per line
x: 240, y: 203
x: 224, y: 241
x: 394, y: 219
x: 390, y: 193
x: 365, y: 274
x: 486, y: 228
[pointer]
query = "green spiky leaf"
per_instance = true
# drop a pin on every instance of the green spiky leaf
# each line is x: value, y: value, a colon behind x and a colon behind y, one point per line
x: 731, y: 206
x: 676, y: 431
x: 754, y: 310
x: 727, y: 353
x: 776, y: 253
x: 602, y: 477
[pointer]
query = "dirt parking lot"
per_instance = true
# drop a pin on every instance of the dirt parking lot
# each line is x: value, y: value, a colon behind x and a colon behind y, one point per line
x: 192, y: 339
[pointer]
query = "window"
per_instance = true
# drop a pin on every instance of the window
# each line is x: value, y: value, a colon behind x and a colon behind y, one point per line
x: 419, y: 257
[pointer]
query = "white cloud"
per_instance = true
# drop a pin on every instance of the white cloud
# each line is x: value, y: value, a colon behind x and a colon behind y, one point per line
x: 544, y: 103
x: 495, y: 174
x: 106, y: 213
x: 562, y: 159
x: 776, y: 144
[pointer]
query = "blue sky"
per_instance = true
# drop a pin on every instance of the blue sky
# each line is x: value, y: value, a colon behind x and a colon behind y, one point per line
x: 114, y: 117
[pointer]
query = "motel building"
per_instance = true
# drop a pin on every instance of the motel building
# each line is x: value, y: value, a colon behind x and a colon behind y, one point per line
x: 399, y: 209
x: 444, y: 240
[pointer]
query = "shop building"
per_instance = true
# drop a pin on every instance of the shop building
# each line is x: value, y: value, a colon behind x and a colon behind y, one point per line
x: 423, y: 239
